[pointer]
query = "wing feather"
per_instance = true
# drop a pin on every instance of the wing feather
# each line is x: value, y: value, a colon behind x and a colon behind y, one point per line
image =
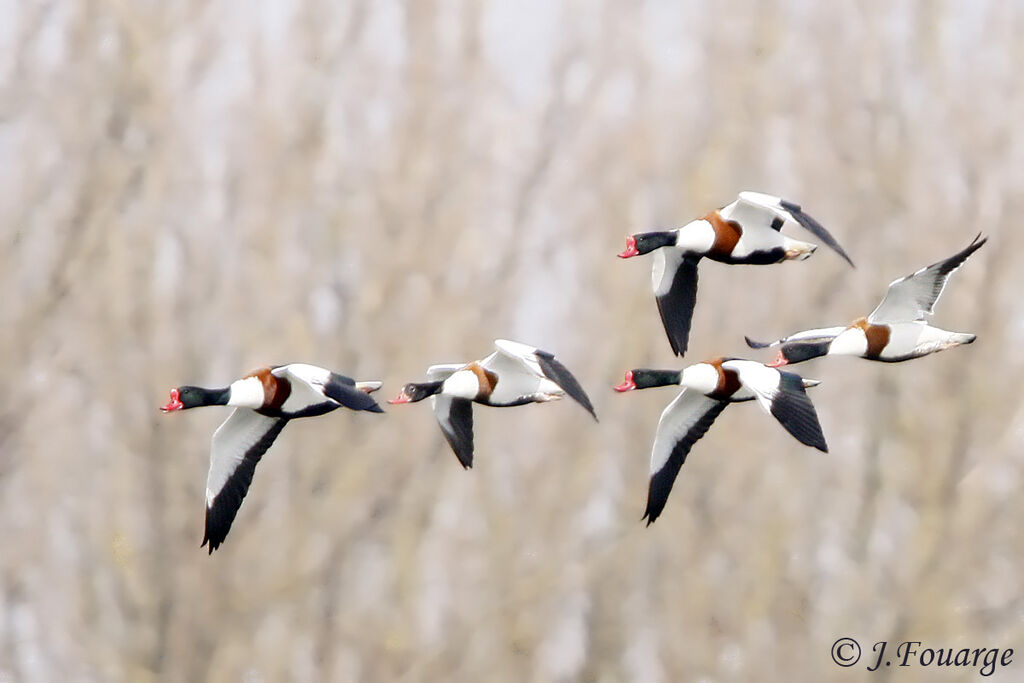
x: 911, y: 298
x: 782, y: 394
x: 759, y: 210
x: 455, y: 416
x: 676, y: 304
x: 236, y: 449
x: 682, y: 424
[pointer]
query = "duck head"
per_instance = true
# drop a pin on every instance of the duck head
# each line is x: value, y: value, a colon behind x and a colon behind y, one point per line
x: 414, y: 391
x: 642, y: 378
x: 646, y: 242
x: 186, y: 397
x: 798, y: 352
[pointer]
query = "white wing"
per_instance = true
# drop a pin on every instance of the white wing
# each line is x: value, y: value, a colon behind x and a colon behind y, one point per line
x: 515, y: 351
x: 307, y: 383
x: 541, y: 365
x: 663, y: 272
x: 516, y: 377
x: 233, y: 441
x: 237, y: 446
x: 760, y: 379
x: 436, y: 373
x: 682, y: 423
x: 765, y: 211
x: 911, y: 298
x: 676, y: 425
x: 756, y: 211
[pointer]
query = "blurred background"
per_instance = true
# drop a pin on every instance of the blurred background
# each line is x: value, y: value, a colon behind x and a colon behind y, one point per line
x: 190, y: 190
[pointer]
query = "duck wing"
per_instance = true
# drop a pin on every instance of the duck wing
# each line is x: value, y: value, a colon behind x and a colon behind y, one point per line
x: 236, y: 449
x: 542, y: 364
x: 683, y: 422
x: 756, y: 210
x: 674, y: 279
x: 313, y: 386
x: 911, y: 298
x: 783, y: 395
x: 454, y: 415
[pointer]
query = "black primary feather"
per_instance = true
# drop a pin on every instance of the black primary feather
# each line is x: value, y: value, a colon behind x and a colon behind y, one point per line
x: 676, y: 305
x: 793, y: 409
x: 662, y: 480
x: 560, y: 375
x: 460, y: 417
x: 221, y: 513
x: 815, y: 228
x: 946, y: 267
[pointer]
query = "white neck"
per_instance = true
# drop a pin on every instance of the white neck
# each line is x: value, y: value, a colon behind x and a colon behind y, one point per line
x: 698, y: 236
x: 247, y: 393
x: 701, y: 377
x: 461, y: 384
x: 851, y: 342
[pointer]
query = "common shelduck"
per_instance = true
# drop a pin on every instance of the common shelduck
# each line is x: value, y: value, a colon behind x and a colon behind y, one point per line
x: 708, y: 388
x: 513, y: 375
x: 744, y: 232
x: 264, y: 401
x: 895, y: 331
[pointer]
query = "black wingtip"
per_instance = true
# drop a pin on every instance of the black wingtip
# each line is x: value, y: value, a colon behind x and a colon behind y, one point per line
x: 677, y: 342
x: 560, y: 375
x: 815, y: 228
x: 795, y: 412
x: 754, y: 344
x: 375, y: 408
x: 207, y: 542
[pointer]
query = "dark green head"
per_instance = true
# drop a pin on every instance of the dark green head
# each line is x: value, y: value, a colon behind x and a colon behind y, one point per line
x: 642, y: 378
x: 186, y: 397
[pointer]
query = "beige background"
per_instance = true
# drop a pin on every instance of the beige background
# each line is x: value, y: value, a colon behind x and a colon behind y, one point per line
x: 189, y: 190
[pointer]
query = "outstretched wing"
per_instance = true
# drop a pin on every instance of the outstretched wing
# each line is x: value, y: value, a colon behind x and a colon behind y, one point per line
x: 544, y: 364
x: 237, y: 446
x: 674, y: 279
x: 454, y: 415
x: 782, y: 394
x: 912, y: 297
x: 756, y: 209
x: 682, y: 423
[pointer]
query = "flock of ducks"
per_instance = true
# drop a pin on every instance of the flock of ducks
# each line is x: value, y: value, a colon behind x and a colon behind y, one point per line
x: 747, y: 231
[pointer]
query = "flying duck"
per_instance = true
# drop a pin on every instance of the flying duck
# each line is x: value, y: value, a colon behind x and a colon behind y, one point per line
x: 264, y: 401
x: 708, y: 388
x: 515, y: 374
x: 744, y: 232
x: 895, y: 331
